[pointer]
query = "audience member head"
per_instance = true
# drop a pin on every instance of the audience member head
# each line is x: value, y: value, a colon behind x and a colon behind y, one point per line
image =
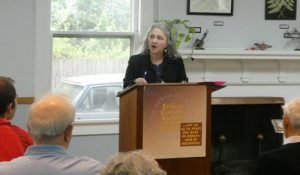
x: 291, y: 118
x: 171, y: 43
x: 132, y: 163
x: 50, y: 120
x: 7, y: 97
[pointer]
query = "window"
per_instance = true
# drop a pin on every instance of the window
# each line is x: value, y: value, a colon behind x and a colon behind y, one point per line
x: 91, y: 36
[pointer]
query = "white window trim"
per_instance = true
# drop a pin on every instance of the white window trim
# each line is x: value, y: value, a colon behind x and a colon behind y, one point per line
x: 96, y: 127
x: 43, y: 57
x: 87, y: 34
x: 43, y: 47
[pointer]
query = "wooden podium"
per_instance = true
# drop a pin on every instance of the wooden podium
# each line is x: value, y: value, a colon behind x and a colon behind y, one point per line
x: 170, y: 121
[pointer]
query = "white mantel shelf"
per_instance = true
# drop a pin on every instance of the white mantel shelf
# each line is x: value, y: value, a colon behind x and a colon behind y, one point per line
x: 241, y: 54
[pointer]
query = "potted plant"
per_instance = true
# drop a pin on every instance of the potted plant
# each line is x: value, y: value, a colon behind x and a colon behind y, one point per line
x: 180, y: 30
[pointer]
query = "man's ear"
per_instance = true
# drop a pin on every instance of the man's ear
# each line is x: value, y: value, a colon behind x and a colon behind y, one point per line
x: 28, y: 128
x: 10, y: 107
x: 10, y: 111
x: 68, y: 133
x: 285, y: 122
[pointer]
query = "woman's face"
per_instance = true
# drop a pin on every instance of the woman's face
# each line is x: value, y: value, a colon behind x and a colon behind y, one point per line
x: 157, y: 41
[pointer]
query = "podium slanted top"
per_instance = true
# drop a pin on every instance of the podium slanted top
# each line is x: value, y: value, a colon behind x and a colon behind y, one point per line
x: 215, y: 85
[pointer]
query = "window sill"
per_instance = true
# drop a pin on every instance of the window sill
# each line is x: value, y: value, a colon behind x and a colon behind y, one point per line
x: 96, y: 127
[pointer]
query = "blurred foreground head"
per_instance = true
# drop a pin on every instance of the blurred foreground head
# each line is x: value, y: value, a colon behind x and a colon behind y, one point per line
x: 133, y: 163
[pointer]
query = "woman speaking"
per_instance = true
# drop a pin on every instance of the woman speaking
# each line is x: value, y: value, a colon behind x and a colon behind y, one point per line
x: 158, y: 60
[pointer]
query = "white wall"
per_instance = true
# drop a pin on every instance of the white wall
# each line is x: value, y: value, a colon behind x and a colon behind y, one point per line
x: 26, y: 46
x: 245, y: 77
x: 25, y: 49
x: 245, y: 27
x: 17, y: 49
x: 240, y: 31
x: 17, y: 43
x: 25, y: 52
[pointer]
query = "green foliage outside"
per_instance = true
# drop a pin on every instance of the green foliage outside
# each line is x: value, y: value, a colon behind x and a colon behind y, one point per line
x: 74, y: 48
x: 92, y: 16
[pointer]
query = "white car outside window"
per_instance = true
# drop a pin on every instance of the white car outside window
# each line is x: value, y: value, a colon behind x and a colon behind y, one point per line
x: 94, y: 96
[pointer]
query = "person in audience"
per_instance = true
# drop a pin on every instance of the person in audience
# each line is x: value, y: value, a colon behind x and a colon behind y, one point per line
x: 13, y: 140
x: 132, y: 163
x: 158, y: 60
x: 50, y: 122
x: 284, y: 160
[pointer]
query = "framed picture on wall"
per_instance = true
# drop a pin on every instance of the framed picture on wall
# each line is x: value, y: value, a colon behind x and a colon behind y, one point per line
x: 280, y: 9
x: 210, y: 7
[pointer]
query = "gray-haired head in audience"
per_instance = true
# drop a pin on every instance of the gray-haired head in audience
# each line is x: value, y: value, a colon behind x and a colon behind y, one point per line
x: 50, y: 120
x: 132, y: 163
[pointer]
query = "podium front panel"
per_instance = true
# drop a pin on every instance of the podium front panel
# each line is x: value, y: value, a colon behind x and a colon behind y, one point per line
x: 174, y: 121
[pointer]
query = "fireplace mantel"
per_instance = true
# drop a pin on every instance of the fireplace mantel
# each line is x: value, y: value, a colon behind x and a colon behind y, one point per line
x: 241, y: 54
x: 237, y: 66
x: 246, y: 100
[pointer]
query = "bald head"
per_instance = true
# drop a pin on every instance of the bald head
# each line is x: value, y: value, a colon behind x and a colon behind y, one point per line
x: 49, y: 117
x: 291, y: 112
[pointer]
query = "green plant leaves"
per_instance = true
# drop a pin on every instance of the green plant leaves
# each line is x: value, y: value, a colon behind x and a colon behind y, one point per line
x: 192, y: 30
x: 187, y: 38
x: 180, y: 30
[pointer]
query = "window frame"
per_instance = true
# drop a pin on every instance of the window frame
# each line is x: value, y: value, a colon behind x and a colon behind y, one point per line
x: 133, y: 36
x: 108, y: 126
x: 145, y: 12
x: 86, y: 34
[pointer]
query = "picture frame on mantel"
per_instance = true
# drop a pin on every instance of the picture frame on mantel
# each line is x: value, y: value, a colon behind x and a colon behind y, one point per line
x: 275, y: 10
x: 210, y: 7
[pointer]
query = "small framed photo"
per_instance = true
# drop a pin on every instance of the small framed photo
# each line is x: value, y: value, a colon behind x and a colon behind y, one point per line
x: 210, y: 7
x: 280, y: 10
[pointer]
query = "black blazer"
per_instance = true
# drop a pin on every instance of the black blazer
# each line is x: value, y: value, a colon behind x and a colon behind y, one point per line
x: 140, y: 66
x: 281, y: 161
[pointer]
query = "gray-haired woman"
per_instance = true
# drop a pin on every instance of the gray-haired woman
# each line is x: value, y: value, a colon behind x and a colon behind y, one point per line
x: 158, y: 60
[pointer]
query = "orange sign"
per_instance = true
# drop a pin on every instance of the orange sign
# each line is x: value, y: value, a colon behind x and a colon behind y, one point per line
x: 190, y: 134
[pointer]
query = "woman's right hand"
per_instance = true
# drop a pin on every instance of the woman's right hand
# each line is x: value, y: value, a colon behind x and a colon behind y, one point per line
x: 140, y: 81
